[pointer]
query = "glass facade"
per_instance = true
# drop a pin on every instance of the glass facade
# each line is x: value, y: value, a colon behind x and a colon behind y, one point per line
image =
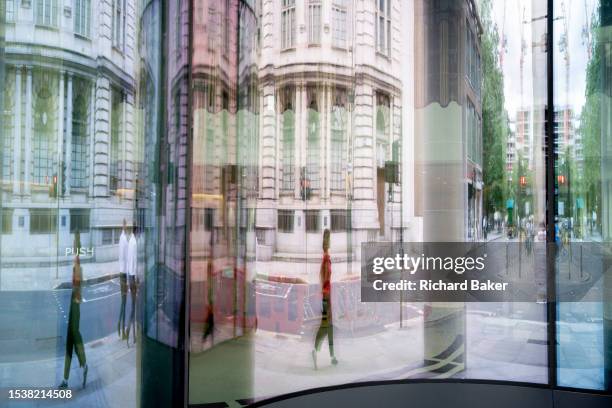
x: 186, y: 187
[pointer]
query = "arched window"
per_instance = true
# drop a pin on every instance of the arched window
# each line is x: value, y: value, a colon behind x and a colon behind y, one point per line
x: 44, y: 127
x: 80, y: 134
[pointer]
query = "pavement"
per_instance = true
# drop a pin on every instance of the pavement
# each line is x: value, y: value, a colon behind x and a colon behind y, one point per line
x: 503, y: 341
x: 50, y: 277
x: 111, y: 379
x: 33, y: 324
x: 33, y: 327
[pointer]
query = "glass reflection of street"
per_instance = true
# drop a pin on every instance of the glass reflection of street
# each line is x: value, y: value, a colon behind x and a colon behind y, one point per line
x: 212, y: 169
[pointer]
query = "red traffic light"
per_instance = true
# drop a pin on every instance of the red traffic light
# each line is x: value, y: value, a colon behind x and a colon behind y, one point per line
x: 561, y: 179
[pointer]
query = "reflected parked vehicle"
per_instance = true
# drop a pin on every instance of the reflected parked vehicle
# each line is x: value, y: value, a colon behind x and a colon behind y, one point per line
x: 293, y: 306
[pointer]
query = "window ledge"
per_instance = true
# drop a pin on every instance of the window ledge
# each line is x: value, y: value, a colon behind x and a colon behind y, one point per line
x: 47, y: 27
x: 290, y: 49
x: 383, y: 55
x: 82, y: 37
x: 39, y: 187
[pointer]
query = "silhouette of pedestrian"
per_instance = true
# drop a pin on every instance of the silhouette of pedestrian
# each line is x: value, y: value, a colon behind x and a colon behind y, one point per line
x: 74, y: 340
x: 123, y: 281
x: 132, y: 265
x: 326, y: 327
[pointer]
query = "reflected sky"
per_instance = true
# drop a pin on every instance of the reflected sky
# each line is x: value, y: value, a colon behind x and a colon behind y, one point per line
x: 576, y: 15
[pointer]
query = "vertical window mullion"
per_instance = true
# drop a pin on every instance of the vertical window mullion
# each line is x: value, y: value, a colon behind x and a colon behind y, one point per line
x: 292, y: 43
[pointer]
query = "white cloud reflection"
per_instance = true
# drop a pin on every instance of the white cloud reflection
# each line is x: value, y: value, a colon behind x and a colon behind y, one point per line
x: 568, y: 89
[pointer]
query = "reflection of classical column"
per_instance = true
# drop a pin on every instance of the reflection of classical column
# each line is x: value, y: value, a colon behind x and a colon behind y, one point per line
x: 268, y: 147
x: 122, y: 154
x: 92, y: 137
x: 129, y: 145
x: 299, y: 128
x: 68, y: 162
x: 327, y: 112
x: 101, y: 137
x: 439, y: 124
x: 28, y: 132
x: 60, y: 132
x: 364, y: 158
x: 17, y: 134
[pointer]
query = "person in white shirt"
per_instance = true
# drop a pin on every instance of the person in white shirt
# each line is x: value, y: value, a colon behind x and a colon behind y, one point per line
x: 123, y: 250
x: 132, y: 265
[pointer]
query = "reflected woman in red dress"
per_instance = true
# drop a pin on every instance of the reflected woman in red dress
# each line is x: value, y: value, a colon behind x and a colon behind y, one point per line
x: 326, y: 328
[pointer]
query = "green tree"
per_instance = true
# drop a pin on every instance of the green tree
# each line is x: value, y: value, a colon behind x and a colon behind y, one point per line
x: 590, y: 129
x: 494, y: 117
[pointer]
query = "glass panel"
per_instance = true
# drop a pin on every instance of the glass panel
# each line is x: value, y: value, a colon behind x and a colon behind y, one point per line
x: 582, y: 169
x: 192, y: 197
x: 78, y: 201
x: 444, y: 141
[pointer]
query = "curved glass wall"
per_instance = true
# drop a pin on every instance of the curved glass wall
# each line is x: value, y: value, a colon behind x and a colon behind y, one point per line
x: 388, y: 121
x: 188, y: 189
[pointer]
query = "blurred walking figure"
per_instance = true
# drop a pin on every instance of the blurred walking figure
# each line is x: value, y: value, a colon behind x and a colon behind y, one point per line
x: 132, y: 264
x: 326, y: 328
x: 123, y: 248
x: 74, y: 340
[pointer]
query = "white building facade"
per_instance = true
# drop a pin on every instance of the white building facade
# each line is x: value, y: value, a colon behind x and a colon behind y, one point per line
x: 330, y: 128
x: 69, y: 150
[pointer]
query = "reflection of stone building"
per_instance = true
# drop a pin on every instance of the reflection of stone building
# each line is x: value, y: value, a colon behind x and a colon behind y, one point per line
x: 330, y: 126
x: 69, y: 149
x: 224, y: 160
x: 304, y: 126
x: 214, y: 88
